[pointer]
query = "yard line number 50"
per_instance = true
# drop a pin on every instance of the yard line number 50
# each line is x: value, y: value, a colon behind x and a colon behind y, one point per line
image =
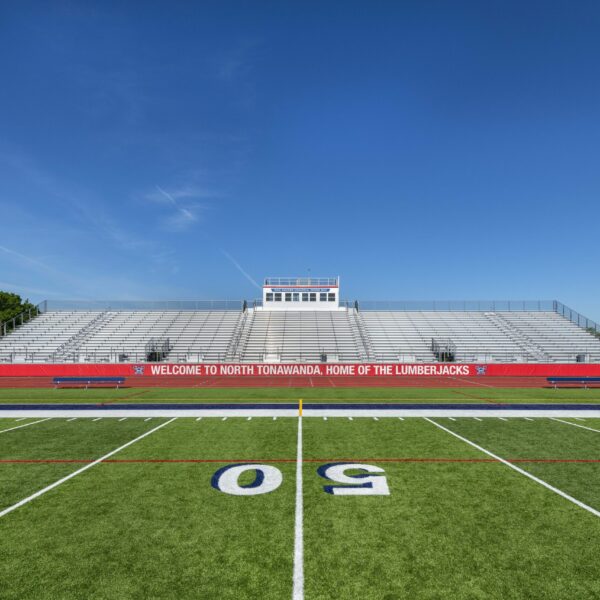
x: 351, y: 479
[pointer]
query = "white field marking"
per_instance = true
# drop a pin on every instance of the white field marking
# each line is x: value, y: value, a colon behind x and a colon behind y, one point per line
x: 224, y: 419
x: 580, y: 426
x: 298, y: 578
x: 122, y: 419
x: 350, y: 418
x: 199, y: 418
x: 274, y: 418
x: 97, y: 419
x: 519, y: 470
x: 401, y: 418
x: 577, y: 419
x: 73, y: 419
x: 151, y: 417
x: 248, y: 419
x: 26, y: 425
x: 477, y: 418
x: 376, y: 418
x: 84, y: 468
x: 21, y: 419
x: 473, y: 382
x: 452, y: 418
x: 324, y: 418
x: 502, y: 419
x: 528, y: 419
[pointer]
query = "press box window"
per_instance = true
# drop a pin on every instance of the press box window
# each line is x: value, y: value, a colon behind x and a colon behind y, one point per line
x: 313, y: 297
x: 323, y: 297
x: 296, y: 297
x: 288, y: 296
x: 277, y: 296
x: 269, y: 297
x: 304, y: 296
x: 331, y: 297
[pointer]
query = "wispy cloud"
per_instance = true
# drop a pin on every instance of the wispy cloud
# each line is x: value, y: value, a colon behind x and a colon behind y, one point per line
x: 239, y: 267
x: 183, y: 208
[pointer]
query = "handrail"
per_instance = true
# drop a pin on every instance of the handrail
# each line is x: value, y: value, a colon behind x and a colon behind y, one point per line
x: 37, y: 309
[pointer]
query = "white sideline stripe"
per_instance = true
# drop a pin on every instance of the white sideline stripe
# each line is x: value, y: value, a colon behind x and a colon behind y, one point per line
x: 576, y: 425
x: 84, y: 468
x: 519, y: 470
x: 26, y: 425
x: 293, y: 412
x: 298, y: 587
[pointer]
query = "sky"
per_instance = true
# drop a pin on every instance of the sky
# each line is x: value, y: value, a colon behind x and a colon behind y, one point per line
x: 186, y: 150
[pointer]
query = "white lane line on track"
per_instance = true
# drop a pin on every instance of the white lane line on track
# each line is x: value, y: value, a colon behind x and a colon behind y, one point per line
x: 298, y: 577
x: 576, y: 425
x: 474, y: 382
x: 84, y: 468
x: 518, y: 469
x: 26, y: 425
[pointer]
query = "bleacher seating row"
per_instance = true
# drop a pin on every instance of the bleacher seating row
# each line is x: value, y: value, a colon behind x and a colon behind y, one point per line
x: 343, y: 335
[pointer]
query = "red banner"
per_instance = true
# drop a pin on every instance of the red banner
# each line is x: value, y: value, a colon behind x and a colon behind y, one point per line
x: 299, y: 370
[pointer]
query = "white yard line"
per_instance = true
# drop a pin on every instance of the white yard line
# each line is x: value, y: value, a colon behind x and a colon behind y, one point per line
x: 298, y: 579
x: 576, y: 425
x: 519, y: 470
x: 26, y: 425
x: 84, y: 468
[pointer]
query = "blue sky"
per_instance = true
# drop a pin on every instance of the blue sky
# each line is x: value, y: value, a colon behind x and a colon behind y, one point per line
x: 420, y: 150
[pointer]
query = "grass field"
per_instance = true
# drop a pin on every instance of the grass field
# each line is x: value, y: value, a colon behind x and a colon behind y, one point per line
x: 330, y: 395
x: 156, y: 518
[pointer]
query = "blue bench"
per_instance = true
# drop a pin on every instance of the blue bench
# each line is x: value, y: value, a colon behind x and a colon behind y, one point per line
x: 87, y: 381
x: 581, y: 380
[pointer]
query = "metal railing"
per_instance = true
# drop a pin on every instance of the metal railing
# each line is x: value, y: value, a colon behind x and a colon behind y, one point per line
x: 310, y: 281
x: 460, y: 305
x: 11, y: 324
x: 576, y: 318
x: 147, y: 305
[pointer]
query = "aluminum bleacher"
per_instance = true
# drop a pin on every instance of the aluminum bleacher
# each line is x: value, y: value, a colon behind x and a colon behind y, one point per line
x: 220, y: 332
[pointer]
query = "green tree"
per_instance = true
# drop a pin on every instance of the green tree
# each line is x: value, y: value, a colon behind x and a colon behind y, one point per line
x: 12, y: 305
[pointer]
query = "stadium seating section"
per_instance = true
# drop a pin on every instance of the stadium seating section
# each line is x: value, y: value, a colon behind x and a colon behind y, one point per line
x: 344, y: 335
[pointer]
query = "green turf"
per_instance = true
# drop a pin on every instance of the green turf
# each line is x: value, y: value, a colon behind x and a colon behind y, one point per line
x: 450, y: 528
x: 469, y: 395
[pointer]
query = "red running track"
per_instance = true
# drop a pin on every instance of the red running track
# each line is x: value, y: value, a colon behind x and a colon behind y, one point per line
x: 343, y: 382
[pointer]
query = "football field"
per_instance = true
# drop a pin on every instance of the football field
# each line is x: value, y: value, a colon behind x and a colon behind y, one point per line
x: 290, y: 507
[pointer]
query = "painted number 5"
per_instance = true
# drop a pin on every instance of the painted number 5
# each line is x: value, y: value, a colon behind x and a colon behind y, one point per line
x: 356, y: 484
